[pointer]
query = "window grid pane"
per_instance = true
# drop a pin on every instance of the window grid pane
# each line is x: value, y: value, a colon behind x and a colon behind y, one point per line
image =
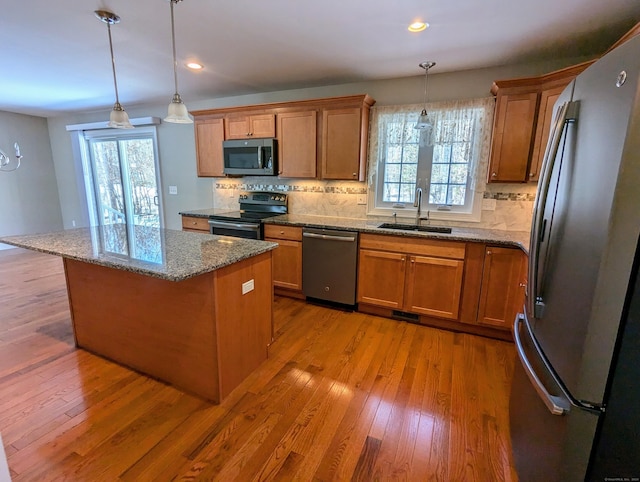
x: 449, y: 173
x: 401, y: 162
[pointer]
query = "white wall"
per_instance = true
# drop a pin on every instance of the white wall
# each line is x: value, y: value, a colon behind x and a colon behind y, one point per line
x: 28, y: 196
x: 177, y: 142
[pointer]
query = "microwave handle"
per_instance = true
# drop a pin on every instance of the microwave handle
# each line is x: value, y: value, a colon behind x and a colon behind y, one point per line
x: 260, y: 157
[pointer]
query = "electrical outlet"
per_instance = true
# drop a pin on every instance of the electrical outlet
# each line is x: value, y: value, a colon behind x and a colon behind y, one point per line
x: 362, y: 199
x: 488, y: 204
x: 173, y: 189
x: 248, y: 286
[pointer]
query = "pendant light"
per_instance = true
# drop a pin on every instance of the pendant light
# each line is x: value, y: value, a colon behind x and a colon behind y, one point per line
x: 423, y: 121
x: 118, y: 117
x: 177, y: 112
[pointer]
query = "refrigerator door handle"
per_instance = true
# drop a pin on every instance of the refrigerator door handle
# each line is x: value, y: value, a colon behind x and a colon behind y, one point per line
x: 591, y: 407
x: 566, y: 113
x: 556, y: 405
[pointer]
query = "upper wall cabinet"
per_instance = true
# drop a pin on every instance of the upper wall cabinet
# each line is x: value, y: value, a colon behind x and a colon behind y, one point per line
x: 297, y: 146
x: 524, y: 110
x: 247, y: 126
x: 342, y: 144
x: 209, y: 136
x: 318, y: 138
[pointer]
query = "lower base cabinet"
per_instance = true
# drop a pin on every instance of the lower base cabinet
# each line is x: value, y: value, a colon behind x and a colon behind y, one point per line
x: 502, y: 286
x: 287, y: 257
x: 195, y: 224
x: 422, y: 277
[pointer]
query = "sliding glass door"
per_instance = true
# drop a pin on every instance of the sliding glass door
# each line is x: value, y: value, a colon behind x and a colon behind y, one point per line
x: 124, y: 177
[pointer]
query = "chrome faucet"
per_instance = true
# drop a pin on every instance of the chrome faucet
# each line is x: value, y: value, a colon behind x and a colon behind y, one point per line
x: 417, y: 203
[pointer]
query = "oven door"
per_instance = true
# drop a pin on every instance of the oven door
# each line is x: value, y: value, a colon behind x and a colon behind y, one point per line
x: 251, y: 230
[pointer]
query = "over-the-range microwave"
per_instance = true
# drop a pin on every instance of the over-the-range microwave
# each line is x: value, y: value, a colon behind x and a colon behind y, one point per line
x: 250, y: 157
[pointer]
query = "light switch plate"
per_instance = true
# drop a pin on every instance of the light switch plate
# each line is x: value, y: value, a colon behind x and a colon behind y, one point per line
x: 173, y: 189
x: 248, y: 286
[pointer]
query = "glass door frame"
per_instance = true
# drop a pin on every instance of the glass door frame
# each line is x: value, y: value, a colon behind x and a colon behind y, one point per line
x: 146, y: 132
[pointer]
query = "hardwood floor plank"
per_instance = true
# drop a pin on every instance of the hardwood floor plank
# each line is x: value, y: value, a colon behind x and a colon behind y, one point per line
x: 343, y: 396
x: 367, y: 460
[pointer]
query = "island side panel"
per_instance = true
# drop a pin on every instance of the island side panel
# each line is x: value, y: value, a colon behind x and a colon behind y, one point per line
x: 243, y: 321
x: 162, y: 328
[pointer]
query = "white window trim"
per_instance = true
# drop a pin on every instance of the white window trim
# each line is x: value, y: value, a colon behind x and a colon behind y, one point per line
x: 477, y: 184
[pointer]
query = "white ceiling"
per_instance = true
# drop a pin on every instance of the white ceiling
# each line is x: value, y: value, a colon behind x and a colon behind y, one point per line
x: 54, y: 56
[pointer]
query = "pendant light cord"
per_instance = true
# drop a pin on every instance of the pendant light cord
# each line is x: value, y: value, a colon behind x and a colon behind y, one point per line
x: 173, y: 41
x: 113, y: 63
x: 426, y: 84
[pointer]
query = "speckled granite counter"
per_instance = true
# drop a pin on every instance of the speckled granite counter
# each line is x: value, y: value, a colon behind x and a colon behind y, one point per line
x: 205, y: 213
x: 161, y: 253
x: 518, y: 239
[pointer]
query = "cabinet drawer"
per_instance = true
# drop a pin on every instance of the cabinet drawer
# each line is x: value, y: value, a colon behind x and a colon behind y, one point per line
x: 292, y: 233
x: 425, y: 247
x: 194, y: 223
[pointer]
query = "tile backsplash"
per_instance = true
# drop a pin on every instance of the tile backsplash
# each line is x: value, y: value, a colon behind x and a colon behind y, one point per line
x: 513, y: 202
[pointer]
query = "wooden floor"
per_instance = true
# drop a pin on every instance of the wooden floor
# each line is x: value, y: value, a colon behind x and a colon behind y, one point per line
x: 344, y: 396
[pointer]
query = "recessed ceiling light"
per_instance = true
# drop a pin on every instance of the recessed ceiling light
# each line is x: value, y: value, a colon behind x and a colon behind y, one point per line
x: 418, y: 26
x: 194, y: 65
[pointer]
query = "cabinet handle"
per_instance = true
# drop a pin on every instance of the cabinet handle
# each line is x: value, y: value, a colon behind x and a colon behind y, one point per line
x: 523, y: 285
x: 281, y: 232
x: 354, y: 174
x: 531, y: 174
x: 194, y: 223
x: 494, y: 174
x: 489, y: 252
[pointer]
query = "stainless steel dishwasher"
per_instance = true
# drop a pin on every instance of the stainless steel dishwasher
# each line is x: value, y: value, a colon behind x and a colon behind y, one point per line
x: 329, y: 265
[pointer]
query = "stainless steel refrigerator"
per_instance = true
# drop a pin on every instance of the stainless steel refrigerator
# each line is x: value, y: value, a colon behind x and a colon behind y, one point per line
x: 575, y: 397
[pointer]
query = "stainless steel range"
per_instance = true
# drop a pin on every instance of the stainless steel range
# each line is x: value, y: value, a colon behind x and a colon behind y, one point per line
x: 247, y: 222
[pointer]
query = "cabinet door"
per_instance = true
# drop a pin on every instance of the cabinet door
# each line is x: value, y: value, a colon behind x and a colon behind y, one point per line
x: 434, y: 286
x: 341, y: 130
x: 287, y: 264
x: 262, y: 125
x: 237, y: 127
x: 502, y: 289
x: 381, y: 278
x: 246, y: 126
x: 512, y: 137
x: 209, y: 137
x: 297, y: 144
x: 543, y: 126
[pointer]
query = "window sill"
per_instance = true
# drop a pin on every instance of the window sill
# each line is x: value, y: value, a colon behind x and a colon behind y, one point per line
x: 410, y: 213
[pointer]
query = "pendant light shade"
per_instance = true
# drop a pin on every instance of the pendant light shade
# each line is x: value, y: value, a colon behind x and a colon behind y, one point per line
x: 177, y: 112
x: 424, y: 122
x: 118, y: 117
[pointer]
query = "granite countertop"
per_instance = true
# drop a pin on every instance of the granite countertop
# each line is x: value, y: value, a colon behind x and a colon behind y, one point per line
x: 160, y: 253
x: 207, y: 213
x: 518, y: 239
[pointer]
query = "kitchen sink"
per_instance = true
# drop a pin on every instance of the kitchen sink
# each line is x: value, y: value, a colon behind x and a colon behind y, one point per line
x: 413, y: 227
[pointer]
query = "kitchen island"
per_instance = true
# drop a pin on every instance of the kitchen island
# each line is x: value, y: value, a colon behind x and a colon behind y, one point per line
x: 193, y: 310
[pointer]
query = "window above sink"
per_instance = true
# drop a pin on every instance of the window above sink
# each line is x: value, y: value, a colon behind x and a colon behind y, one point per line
x: 449, y: 162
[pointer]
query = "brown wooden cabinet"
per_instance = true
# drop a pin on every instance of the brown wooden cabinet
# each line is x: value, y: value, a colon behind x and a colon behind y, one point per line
x: 297, y: 146
x: 502, y: 286
x: 209, y: 134
x: 413, y: 275
x: 341, y: 144
x: 250, y: 125
x: 524, y: 111
x: 196, y: 224
x: 317, y: 138
x: 287, y: 257
x: 512, y: 135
